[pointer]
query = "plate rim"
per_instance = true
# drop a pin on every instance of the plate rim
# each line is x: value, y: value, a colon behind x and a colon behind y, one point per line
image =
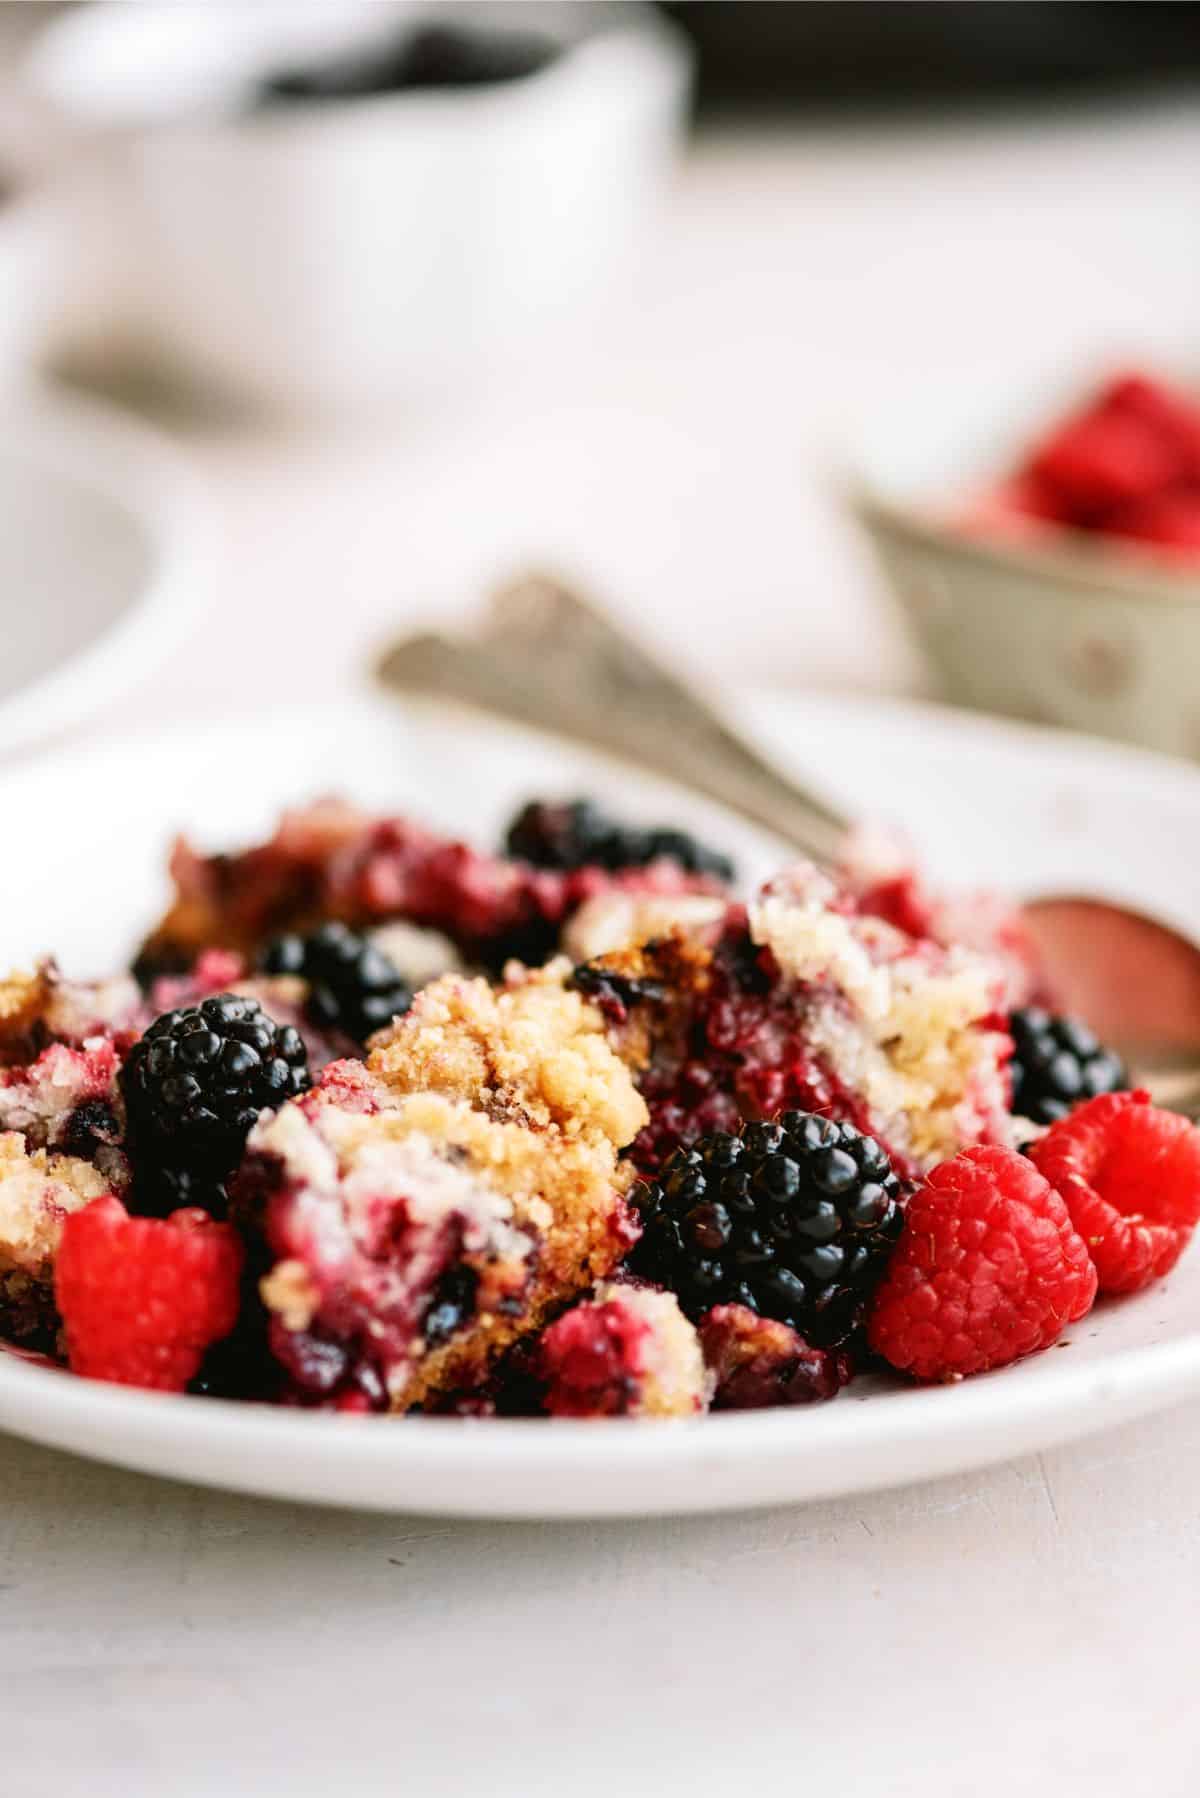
x: 764, y: 1445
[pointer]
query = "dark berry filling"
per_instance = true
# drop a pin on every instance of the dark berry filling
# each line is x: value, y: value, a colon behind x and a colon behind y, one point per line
x: 160, y: 1188
x: 153, y: 963
x: 757, y: 1363
x: 242, y: 1366
x: 739, y: 1049
x: 92, y: 1126
x: 451, y: 1305
x: 333, y: 863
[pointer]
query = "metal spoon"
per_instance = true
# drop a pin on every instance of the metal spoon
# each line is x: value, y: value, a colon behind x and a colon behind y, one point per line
x: 545, y: 657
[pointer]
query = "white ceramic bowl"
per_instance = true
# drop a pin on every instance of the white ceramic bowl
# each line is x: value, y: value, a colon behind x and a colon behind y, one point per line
x: 101, y: 561
x: 362, y: 254
x: 29, y: 276
x: 1087, y: 632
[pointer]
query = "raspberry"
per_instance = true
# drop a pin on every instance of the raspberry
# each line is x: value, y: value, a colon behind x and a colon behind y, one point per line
x: 988, y: 1268
x: 1101, y: 460
x: 1111, y: 465
x: 1171, y: 519
x: 142, y: 1298
x: 1170, y: 412
x: 1129, y: 1175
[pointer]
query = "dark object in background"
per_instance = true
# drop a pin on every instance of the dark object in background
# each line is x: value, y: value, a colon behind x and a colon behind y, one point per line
x: 431, y: 56
x: 783, y: 56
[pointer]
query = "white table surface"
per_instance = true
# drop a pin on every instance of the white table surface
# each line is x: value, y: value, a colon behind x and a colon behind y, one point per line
x: 1034, y: 1624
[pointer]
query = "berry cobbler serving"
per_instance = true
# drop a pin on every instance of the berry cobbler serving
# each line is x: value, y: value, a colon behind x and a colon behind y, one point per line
x: 380, y: 1122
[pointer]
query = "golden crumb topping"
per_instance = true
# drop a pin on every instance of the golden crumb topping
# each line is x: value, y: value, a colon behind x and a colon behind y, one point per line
x: 904, y: 1024
x: 23, y: 1000
x: 45, y: 1007
x: 673, y: 1379
x: 37, y: 1191
x: 541, y: 1213
x: 530, y: 1051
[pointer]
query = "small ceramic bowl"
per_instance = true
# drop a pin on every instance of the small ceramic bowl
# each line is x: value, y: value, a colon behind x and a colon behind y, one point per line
x: 31, y: 261
x: 351, y: 255
x: 104, y: 560
x: 1091, y: 632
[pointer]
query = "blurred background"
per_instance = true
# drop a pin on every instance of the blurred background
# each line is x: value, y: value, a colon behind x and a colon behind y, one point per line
x: 423, y: 294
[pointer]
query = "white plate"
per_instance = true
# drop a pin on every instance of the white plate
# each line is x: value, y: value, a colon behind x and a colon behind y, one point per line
x: 987, y: 801
x: 99, y: 561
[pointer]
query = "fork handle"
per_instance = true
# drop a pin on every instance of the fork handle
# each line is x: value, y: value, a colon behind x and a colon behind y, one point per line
x: 547, y: 658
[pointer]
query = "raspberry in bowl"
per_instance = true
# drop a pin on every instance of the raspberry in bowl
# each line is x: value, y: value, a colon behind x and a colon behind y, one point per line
x: 1125, y: 465
x: 1046, y: 550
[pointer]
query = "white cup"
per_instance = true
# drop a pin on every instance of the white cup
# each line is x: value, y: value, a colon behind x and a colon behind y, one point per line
x: 349, y: 255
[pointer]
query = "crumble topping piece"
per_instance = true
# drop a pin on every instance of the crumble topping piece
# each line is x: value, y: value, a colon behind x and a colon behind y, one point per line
x: 37, y: 1191
x: 23, y: 1001
x: 43, y: 1007
x: 626, y: 1352
x: 416, y: 1238
x: 911, y: 1028
x: 879, y: 869
x: 40, y: 1099
x: 532, y: 1050
x: 61, y: 1044
x: 804, y: 1003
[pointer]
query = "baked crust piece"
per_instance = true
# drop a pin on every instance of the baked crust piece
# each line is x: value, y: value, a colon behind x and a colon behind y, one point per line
x: 38, y: 1191
x: 427, y: 1211
x: 332, y: 861
x: 803, y: 1002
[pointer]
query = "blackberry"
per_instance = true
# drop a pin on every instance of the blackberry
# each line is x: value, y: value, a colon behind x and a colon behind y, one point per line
x: 794, y: 1219
x: 241, y: 1364
x: 352, y: 986
x: 196, y: 1081
x: 1058, y: 1064
x: 577, y: 833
